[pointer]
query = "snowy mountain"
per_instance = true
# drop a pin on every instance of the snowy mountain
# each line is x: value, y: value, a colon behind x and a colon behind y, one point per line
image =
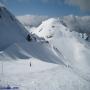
x: 53, y: 56
x: 14, y: 43
x: 74, y: 49
x: 73, y: 23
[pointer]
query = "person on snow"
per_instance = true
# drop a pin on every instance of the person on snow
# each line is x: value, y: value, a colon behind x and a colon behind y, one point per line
x: 8, y: 87
x: 30, y: 64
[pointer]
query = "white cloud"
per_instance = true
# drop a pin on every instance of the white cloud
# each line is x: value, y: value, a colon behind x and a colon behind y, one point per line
x: 83, y: 4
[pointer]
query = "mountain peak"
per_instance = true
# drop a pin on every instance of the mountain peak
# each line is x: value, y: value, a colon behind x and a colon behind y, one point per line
x: 11, y: 30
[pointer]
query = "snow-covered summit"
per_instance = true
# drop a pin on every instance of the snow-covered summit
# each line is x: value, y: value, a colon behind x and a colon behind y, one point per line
x: 14, y: 43
x: 49, y: 27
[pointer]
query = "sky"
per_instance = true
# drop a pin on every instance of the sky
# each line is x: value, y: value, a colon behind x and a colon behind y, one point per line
x: 48, y: 7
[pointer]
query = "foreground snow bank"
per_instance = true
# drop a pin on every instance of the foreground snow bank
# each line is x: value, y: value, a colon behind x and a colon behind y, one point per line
x: 41, y: 75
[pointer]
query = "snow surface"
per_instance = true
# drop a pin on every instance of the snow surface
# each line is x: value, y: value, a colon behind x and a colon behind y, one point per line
x: 59, y: 56
x: 41, y: 75
x: 76, y: 52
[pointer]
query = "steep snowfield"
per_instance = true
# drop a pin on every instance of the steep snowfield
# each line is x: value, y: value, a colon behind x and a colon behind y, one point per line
x: 41, y: 51
x: 11, y: 30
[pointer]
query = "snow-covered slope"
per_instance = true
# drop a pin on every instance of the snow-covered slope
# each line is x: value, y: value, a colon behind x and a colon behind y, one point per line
x: 48, y: 28
x: 74, y: 23
x: 40, y: 50
x: 69, y: 44
x: 13, y: 43
x: 11, y: 30
x: 59, y: 57
x: 41, y: 76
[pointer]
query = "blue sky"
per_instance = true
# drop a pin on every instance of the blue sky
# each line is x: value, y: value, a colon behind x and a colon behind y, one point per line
x: 45, y: 7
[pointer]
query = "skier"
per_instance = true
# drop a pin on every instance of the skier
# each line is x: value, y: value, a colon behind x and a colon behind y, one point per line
x: 8, y: 87
x: 30, y: 64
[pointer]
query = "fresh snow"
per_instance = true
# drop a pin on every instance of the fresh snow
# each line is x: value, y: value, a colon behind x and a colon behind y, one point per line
x: 41, y: 75
x: 74, y: 49
x: 59, y: 56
